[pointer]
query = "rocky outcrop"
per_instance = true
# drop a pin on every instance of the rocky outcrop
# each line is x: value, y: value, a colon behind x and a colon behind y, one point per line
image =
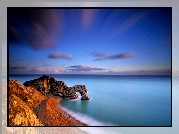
x: 20, y: 114
x: 29, y: 95
x: 29, y: 107
x: 51, y: 87
x: 22, y: 103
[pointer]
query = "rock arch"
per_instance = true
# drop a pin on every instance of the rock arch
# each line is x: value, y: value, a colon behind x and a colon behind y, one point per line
x: 49, y: 86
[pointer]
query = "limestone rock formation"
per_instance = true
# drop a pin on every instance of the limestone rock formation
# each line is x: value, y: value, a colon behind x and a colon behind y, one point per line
x: 29, y: 107
x: 22, y: 103
x: 27, y: 94
x: 51, y: 87
x: 20, y: 114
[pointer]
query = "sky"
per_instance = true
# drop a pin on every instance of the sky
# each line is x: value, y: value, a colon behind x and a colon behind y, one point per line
x: 122, y: 41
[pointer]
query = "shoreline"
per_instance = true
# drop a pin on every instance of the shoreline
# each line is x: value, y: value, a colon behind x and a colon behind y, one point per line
x: 50, y: 114
x: 32, y: 129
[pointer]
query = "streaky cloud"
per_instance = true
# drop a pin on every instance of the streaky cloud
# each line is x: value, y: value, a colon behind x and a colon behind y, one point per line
x: 18, y: 67
x: 127, y: 24
x: 82, y: 68
x: 47, y: 65
x: 57, y: 55
x: 39, y: 28
x: 104, y: 56
x: 88, y: 16
x: 99, y: 54
x: 44, y: 70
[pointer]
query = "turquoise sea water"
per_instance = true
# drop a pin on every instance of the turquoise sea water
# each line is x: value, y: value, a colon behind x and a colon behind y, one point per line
x: 118, y: 100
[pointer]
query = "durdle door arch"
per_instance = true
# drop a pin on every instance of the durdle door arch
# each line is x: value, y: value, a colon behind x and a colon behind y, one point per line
x: 51, y: 87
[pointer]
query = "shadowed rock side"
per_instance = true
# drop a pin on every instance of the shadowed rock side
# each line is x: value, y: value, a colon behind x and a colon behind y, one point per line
x: 51, y: 87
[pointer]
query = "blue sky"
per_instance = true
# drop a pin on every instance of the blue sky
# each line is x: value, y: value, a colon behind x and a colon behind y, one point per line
x: 90, y: 41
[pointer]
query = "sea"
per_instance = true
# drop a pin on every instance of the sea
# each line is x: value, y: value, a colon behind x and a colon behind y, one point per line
x: 117, y: 100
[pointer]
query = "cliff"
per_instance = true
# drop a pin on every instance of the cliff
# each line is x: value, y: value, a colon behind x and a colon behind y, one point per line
x: 22, y: 103
x: 30, y: 107
x: 30, y: 130
x: 20, y: 114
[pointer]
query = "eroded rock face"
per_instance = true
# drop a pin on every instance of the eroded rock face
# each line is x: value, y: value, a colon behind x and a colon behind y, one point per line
x: 51, y: 87
x: 82, y: 90
x: 20, y: 114
x: 29, y: 95
x: 22, y: 103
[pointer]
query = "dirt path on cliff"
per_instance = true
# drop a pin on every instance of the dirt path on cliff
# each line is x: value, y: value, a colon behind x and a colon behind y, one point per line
x: 50, y: 114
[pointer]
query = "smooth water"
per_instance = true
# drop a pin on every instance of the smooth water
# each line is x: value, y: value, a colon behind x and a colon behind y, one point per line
x: 117, y: 100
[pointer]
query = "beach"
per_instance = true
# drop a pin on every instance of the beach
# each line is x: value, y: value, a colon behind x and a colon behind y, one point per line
x: 50, y: 114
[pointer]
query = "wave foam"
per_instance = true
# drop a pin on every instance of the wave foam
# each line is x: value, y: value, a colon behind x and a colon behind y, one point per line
x: 79, y: 98
x: 86, y: 119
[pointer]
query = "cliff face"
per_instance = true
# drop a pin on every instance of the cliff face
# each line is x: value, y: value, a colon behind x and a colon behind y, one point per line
x: 22, y: 103
x: 20, y: 114
x: 29, y: 107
